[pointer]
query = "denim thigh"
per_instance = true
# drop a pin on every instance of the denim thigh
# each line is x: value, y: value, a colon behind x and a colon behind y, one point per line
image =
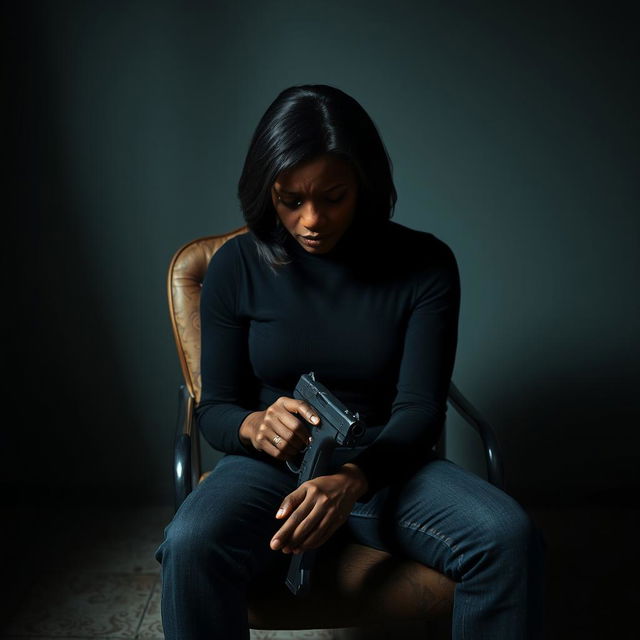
x: 229, y: 519
x: 444, y: 517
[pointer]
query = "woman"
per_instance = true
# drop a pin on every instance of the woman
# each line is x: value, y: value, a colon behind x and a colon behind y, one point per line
x: 325, y: 282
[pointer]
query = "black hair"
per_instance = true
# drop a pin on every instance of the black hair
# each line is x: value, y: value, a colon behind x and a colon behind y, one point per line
x: 301, y: 123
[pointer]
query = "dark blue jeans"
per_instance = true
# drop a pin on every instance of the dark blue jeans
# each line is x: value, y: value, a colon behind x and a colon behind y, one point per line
x: 442, y: 516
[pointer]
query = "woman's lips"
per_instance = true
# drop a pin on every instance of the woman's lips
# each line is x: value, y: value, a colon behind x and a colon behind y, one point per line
x: 313, y: 242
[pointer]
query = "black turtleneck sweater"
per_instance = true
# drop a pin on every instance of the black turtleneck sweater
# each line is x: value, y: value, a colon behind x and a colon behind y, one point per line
x: 375, y: 319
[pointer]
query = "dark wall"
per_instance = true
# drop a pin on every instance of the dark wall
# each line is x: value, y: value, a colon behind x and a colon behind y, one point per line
x: 514, y: 137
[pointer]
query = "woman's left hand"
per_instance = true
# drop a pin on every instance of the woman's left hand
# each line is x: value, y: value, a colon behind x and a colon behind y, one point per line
x: 317, y: 508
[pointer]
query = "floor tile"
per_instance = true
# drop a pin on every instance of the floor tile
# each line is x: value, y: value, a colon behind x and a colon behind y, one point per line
x: 83, y: 604
x: 151, y: 626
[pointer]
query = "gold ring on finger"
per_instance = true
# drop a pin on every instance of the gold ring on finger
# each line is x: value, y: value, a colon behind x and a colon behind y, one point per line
x: 276, y: 440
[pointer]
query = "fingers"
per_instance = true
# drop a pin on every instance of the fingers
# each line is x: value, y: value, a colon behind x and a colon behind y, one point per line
x: 327, y: 527
x: 318, y: 534
x: 303, y: 409
x: 299, y: 526
x: 302, y: 515
x: 309, y: 525
x: 282, y: 434
x: 292, y: 429
x: 278, y: 443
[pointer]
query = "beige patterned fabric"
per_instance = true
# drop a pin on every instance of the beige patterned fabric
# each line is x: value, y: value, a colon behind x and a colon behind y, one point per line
x: 186, y: 275
x: 355, y: 585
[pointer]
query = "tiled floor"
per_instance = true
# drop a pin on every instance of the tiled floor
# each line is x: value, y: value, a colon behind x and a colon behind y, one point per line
x: 92, y: 574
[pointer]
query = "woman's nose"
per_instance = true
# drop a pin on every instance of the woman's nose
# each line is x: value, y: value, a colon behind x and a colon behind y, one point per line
x: 311, y: 215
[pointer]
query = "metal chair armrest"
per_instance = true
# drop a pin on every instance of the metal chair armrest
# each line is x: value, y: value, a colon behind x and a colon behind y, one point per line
x: 186, y: 458
x: 493, y: 456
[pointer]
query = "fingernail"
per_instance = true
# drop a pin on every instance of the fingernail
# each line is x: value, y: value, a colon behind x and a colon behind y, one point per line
x: 280, y: 512
x: 314, y: 419
x: 275, y: 543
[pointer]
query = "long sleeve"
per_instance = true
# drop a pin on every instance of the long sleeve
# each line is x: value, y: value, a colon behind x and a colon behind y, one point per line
x: 226, y: 381
x: 419, y: 408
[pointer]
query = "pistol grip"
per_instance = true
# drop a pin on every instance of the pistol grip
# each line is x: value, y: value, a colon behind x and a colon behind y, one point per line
x: 299, y: 577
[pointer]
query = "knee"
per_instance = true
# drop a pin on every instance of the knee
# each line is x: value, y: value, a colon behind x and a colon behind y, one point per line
x: 510, y: 534
x: 186, y: 539
x: 179, y: 542
x: 190, y: 542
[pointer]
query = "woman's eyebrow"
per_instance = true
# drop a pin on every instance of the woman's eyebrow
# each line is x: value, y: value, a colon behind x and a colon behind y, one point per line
x: 295, y: 193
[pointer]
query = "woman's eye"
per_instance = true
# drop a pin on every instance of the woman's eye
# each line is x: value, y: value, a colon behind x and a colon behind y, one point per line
x: 292, y: 204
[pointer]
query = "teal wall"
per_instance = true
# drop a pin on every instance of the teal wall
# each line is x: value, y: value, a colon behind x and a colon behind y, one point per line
x: 514, y: 138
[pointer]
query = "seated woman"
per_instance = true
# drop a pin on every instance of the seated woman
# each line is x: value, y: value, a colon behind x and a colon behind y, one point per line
x: 325, y: 282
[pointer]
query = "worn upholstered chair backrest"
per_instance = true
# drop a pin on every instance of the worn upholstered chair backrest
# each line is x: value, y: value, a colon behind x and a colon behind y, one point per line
x: 185, y: 277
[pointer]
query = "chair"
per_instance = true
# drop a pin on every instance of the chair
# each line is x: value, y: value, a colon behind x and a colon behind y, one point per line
x: 354, y: 585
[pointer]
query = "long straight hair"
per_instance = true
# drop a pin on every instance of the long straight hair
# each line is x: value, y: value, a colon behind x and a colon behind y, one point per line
x: 301, y: 123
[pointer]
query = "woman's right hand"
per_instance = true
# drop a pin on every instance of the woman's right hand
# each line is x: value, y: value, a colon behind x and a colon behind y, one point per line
x: 281, y: 430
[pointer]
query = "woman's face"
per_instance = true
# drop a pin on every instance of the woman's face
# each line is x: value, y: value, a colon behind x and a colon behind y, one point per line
x: 316, y: 199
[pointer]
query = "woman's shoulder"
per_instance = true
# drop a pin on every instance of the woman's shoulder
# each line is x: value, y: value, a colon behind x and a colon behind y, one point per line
x: 231, y: 250
x: 223, y: 265
x: 418, y: 246
x: 424, y: 261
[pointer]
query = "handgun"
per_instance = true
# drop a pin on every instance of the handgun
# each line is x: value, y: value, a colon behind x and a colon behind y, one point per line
x: 338, y: 426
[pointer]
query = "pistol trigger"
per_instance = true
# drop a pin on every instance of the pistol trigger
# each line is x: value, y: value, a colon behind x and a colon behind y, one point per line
x: 292, y: 468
